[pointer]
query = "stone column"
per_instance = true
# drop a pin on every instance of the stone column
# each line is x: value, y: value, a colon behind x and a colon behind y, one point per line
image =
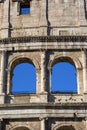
x: 43, y: 72
x: 49, y: 78
x: 2, y: 81
x: 50, y: 83
x: 2, y: 77
x: 6, y: 19
x: 43, y: 95
x: 84, y: 71
x: 8, y: 82
x: 43, y: 19
x: 82, y: 10
x: 43, y: 123
x: 85, y: 74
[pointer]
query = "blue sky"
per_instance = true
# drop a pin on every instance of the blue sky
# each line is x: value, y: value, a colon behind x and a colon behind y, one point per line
x: 24, y: 79
x: 63, y: 78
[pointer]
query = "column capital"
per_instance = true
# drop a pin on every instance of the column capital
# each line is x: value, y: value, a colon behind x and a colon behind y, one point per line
x: 2, y: 52
x: 43, y: 118
x: 85, y: 119
x: 43, y: 51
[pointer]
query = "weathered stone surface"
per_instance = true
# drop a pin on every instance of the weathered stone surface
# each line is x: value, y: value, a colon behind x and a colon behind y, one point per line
x: 54, y: 31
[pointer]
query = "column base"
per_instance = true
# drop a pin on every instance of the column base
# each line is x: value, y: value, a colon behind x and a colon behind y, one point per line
x: 85, y: 97
x: 44, y: 97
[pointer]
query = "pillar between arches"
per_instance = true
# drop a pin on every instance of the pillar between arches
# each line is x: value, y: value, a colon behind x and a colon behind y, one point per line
x: 2, y: 75
x: 43, y: 94
x: 43, y: 123
x: 85, y: 74
x: 43, y: 72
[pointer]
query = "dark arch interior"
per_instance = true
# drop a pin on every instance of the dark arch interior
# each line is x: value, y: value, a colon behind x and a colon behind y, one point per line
x: 24, y: 79
x: 63, y: 79
x: 66, y: 128
x: 21, y: 128
x: 63, y: 59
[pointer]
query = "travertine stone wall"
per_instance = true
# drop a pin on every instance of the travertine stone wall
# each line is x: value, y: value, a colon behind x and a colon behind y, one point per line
x: 43, y: 62
x: 29, y: 124
x: 64, y: 13
x: 63, y: 17
x: 48, y: 19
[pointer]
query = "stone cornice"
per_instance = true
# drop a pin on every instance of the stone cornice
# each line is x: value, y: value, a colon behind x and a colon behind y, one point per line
x: 44, y: 39
x: 44, y: 105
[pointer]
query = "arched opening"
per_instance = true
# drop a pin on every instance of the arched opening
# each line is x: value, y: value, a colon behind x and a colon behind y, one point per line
x: 66, y: 128
x: 63, y: 79
x: 24, y: 79
x: 21, y: 128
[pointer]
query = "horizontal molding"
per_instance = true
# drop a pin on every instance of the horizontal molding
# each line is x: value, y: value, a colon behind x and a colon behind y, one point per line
x: 44, y: 105
x: 43, y: 39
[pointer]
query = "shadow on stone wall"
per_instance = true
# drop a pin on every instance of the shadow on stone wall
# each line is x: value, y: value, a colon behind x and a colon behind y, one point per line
x: 85, y: 9
x: 48, y: 22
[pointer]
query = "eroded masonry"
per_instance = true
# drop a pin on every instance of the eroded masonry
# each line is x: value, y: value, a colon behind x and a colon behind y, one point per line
x: 43, y: 33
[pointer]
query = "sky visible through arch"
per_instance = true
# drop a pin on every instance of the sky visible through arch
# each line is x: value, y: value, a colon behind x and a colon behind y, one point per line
x: 63, y: 78
x: 24, y: 79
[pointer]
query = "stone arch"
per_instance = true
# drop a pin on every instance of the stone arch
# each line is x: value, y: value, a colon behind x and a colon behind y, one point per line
x: 20, y: 59
x: 67, y: 125
x: 16, y: 127
x: 72, y: 59
x: 14, y: 62
x: 68, y: 58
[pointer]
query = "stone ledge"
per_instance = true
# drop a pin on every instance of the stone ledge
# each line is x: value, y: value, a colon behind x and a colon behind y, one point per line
x: 44, y: 39
x: 42, y: 105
